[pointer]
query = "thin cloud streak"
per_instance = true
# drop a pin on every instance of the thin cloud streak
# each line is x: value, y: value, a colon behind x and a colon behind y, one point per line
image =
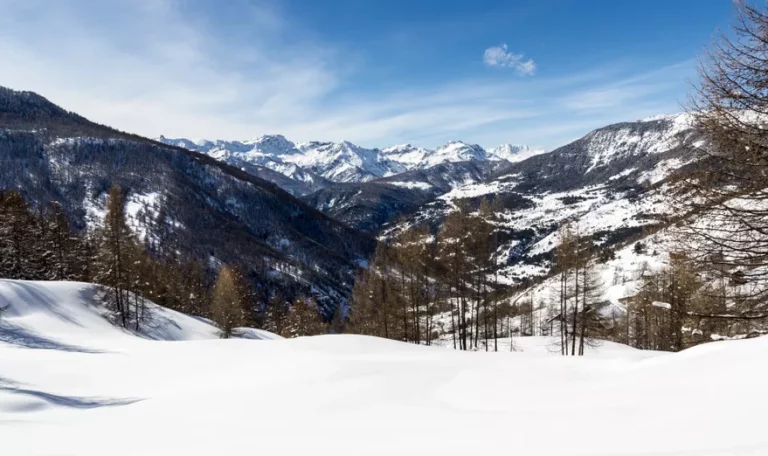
x: 174, y: 78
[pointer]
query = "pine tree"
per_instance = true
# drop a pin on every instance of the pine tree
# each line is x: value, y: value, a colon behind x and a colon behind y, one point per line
x: 304, y: 319
x: 115, y: 250
x: 276, y: 314
x: 61, y: 244
x: 16, y: 237
x: 226, y: 304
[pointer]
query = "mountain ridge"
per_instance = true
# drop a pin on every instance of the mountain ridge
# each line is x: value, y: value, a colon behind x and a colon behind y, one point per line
x: 185, y: 203
x: 345, y: 162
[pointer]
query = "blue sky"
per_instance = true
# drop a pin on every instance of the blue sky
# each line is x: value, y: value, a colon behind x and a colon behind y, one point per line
x: 373, y: 72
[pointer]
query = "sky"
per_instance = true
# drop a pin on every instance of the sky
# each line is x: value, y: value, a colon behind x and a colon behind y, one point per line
x: 373, y: 72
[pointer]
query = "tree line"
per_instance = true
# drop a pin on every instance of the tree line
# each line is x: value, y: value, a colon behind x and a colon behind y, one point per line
x: 38, y: 243
x: 421, y: 285
x: 715, y: 283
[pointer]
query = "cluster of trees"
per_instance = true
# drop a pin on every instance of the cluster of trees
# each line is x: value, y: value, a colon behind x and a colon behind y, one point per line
x: 421, y: 285
x: 719, y: 287
x: 234, y: 304
x: 684, y: 304
x: 38, y: 243
x: 727, y: 235
x: 579, y: 294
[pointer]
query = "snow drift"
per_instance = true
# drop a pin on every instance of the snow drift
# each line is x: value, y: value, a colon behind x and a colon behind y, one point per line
x: 71, y: 383
x: 70, y: 316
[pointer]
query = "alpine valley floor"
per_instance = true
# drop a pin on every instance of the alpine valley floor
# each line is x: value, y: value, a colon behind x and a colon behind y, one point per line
x: 73, y: 384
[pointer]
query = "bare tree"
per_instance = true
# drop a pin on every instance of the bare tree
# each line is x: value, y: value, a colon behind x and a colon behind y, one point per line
x: 730, y: 186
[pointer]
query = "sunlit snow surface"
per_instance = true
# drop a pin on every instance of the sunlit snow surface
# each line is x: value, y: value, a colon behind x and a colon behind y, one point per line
x: 72, y: 384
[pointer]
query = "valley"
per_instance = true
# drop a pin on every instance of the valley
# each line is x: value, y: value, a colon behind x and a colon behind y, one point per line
x: 465, y: 228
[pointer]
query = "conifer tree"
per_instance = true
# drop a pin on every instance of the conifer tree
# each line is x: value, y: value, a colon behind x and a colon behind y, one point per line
x: 16, y: 237
x: 226, y: 304
x: 115, y: 252
x: 304, y: 319
x: 61, y: 243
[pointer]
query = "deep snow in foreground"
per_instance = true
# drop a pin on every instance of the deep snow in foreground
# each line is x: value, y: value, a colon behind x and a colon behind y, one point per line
x: 71, y: 384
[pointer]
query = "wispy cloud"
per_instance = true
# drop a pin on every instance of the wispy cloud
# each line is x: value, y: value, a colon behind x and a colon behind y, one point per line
x: 148, y: 66
x: 500, y: 56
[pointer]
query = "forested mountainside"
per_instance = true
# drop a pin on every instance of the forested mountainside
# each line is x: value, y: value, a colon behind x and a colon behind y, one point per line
x: 612, y: 183
x: 370, y: 205
x: 643, y: 233
x: 179, y: 202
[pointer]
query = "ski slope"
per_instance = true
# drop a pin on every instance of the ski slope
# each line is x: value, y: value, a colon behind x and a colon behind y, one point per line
x: 72, y: 384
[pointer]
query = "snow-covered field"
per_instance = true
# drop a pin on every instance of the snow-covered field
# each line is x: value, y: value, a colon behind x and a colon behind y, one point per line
x: 72, y: 384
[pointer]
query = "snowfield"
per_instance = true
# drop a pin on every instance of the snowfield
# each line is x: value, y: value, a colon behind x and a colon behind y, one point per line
x: 73, y: 384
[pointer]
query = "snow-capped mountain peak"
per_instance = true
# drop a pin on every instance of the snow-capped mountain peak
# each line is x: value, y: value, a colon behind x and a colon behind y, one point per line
x: 343, y: 161
x: 273, y: 145
x: 458, y: 151
x: 513, y: 152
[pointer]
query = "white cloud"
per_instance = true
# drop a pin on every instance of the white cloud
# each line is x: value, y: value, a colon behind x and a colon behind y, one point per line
x: 155, y: 70
x: 500, y: 56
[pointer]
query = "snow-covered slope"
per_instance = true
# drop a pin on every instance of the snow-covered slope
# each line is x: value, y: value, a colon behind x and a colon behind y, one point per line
x: 344, y: 161
x: 418, y: 158
x: 70, y: 316
x: 611, y: 184
x: 270, y: 157
x: 513, y: 153
x: 96, y: 390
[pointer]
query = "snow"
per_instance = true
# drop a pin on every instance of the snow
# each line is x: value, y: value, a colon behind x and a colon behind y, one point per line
x: 344, y: 161
x: 98, y: 390
x: 513, y: 153
x: 70, y: 313
x: 663, y: 305
x: 140, y: 206
x: 606, y: 144
x: 473, y: 191
x: 95, y: 210
x: 411, y: 185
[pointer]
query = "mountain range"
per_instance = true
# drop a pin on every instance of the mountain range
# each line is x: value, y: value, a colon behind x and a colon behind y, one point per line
x: 616, y: 185
x: 300, y: 211
x: 315, y: 165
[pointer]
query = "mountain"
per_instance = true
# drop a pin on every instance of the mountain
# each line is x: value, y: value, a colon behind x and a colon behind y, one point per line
x: 344, y: 161
x: 314, y: 163
x: 179, y: 202
x: 368, y: 206
x: 411, y: 157
x: 318, y: 164
x: 456, y: 151
x: 513, y: 153
x: 267, y: 157
x: 615, y: 184
x: 415, y: 158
